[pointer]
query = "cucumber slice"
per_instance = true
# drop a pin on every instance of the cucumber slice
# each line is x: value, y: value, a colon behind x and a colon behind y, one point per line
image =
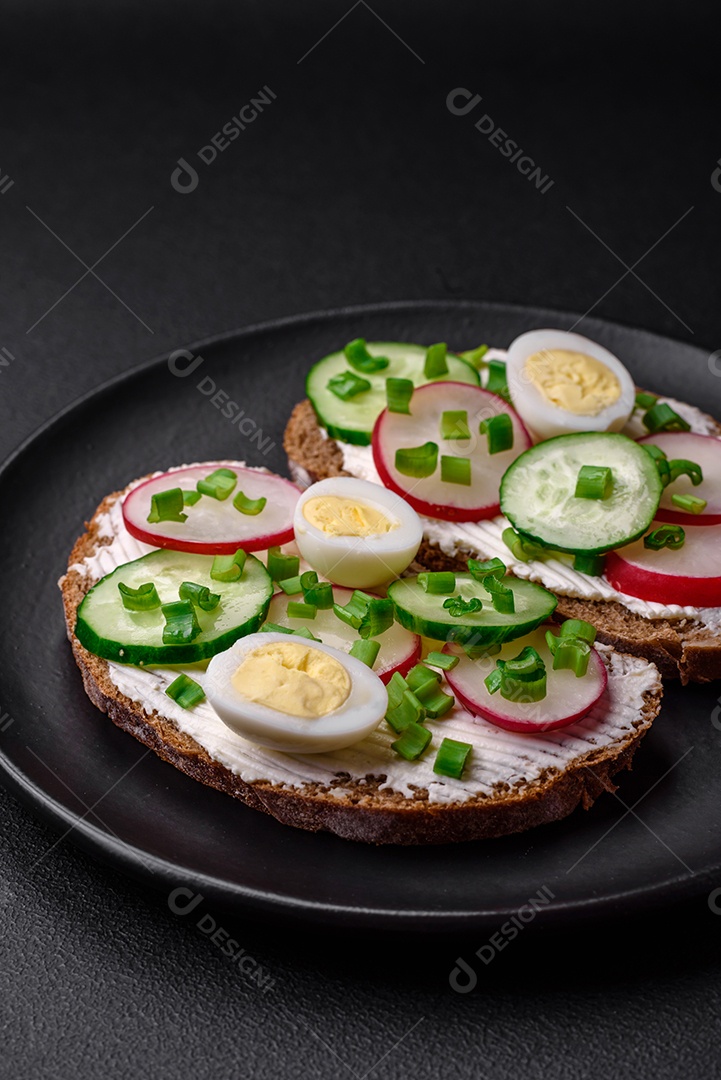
x: 107, y: 629
x: 352, y: 420
x: 537, y: 493
x: 423, y: 613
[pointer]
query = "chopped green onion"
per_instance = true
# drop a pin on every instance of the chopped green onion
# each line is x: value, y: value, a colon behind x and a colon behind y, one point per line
x: 494, y: 681
x: 320, y: 595
x: 521, y: 679
x: 682, y: 467
x: 190, y: 498
x: 378, y: 618
x: 307, y: 579
x: 524, y: 690
x: 445, y: 661
x: 425, y: 685
x: 218, y: 484
x: 181, y: 624
x: 594, y: 482
x: 300, y: 610
x: 359, y: 358
x: 291, y: 586
x: 200, y: 595
x: 396, y: 688
x: 661, y: 417
x: 655, y: 451
x: 167, y: 506
x: 398, y: 394
x: 474, y: 357
x: 419, y: 676
x: 454, y: 424
x: 578, y: 628
x: 519, y: 548
x: 690, y: 503
x: 436, y: 363
x: 661, y: 462
x: 526, y: 665
x: 569, y: 653
x: 438, y: 703
x: 670, y: 536
x: 281, y: 566
x: 645, y: 401
x: 497, y: 382
x: 417, y: 461
x: 365, y: 651
x: 369, y: 615
x: 301, y: 631
x: 458, y: 607
x: 455, y: 470
x: 347, y: 385
x: 408, y: 711
x: 251, y: 507
x: 502, y: 596
x: 438, y: 583
x: 144, y: 598
x: 499, y: 430
x: 228, y: 567
x: 413, y: 742
x: 481, y: 569
x: 571, y: 648
x: 185, y: 692
x: 593, y: 565
x: 451, y: 758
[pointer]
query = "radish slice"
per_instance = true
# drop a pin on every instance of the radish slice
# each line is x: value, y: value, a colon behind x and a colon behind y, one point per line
x: 430, y: 495
x: 567, y: 699
x: 689, y: 576
x: 400, y: 649
x: 705, y: 450
x: 215, y: 527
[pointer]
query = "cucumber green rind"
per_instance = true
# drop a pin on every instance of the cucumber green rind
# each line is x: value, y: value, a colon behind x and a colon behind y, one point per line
x: 352, y: 421
x: 423, y: 613
x: 107, y: 630
x: 537, y: 493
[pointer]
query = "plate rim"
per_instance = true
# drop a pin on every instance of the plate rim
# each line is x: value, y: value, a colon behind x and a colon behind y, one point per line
x: 131, y: 860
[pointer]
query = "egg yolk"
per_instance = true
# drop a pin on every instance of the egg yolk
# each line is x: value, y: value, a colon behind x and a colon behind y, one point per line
x: 573, y: 381
x: 339, y: 516
x: 294, y: 679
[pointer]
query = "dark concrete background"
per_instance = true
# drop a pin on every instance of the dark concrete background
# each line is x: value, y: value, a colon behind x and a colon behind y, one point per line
x: 356, y: 184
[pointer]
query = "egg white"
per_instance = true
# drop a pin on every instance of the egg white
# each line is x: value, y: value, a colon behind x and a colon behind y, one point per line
x: 357, y: 717
x: 359, y: 562
x: 545, y: 420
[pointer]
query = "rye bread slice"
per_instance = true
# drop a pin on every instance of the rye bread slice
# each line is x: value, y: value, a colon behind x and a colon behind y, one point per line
x: 685, y: 649
x: 365, y: 811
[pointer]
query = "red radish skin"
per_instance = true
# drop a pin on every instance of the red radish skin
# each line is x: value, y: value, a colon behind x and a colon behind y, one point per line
x: 589, y: 690
x: 400, y: 649
x: 705, y: 450
x: 646, y: 584
x: 386, y: 674
x: 242, y: 531
x: 690, y: 576
x: 445, y: 395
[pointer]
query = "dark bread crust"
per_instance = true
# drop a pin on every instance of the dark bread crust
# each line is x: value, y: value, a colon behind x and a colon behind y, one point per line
x: 367, y: 814
x: 691, y: 652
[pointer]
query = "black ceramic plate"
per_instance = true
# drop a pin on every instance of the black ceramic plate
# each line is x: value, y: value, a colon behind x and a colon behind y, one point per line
x: 112, y: 797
